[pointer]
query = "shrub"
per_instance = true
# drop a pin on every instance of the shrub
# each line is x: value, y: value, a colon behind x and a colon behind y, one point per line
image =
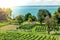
x: 26, y: 26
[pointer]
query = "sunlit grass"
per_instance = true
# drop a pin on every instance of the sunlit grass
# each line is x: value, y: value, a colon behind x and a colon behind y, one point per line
x: 3, y: 24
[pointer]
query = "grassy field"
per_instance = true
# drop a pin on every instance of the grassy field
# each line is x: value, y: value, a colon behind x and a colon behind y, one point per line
x: 34, y: 32
x: 14, y: 35
x: 18, y: 35
x: 3, y: 24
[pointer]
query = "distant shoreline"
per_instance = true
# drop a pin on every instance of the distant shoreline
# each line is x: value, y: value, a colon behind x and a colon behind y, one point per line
x: 39, y: 6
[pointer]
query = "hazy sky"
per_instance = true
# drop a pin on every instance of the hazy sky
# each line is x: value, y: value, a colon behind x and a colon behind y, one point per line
x: 12, y: 3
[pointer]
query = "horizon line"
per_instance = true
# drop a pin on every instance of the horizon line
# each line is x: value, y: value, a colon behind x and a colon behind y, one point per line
x: 39, y: 6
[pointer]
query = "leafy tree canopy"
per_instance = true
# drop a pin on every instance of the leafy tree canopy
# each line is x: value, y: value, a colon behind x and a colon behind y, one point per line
x: 42, y: 13
x: 57, y: 15
x: 20, y: 19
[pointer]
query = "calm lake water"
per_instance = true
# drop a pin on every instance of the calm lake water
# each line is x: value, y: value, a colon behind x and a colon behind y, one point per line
x: 32, y: 9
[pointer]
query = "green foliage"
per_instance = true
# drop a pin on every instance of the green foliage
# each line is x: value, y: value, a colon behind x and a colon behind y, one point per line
x: 25, y: 36
x: 57, y: 15
x: 28, y: 16
x: 42, y: 13
x: 34, y: 18
x: 26, y: 26
x: 19, y: 19
x: 34, y: 28
x: 51, y: 24
x: 40, y: 28
x: 58, y: 9
x: 9, y: 19
x: 3, y: 24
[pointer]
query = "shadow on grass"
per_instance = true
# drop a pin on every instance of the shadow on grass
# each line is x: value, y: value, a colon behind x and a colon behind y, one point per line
x: 56, y: 34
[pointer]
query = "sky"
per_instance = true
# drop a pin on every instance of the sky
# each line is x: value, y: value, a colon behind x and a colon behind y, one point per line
x: 13, y: 3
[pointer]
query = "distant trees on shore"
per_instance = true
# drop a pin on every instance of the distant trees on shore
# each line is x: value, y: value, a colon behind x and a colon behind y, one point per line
x: 41, y: 15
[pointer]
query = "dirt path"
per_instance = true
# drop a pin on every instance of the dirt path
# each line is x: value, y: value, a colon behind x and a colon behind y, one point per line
x: 9, y: 27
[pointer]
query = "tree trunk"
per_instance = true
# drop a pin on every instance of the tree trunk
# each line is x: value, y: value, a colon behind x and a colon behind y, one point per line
x: 48, y: 30
x: 41, y: 23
